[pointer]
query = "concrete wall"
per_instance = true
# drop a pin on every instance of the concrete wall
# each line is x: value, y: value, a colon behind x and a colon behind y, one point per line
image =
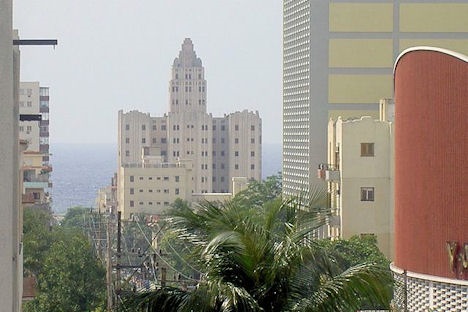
x: 9, y: 169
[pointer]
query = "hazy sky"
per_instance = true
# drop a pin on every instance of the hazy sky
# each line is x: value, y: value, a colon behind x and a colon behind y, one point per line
x: 115, y: 54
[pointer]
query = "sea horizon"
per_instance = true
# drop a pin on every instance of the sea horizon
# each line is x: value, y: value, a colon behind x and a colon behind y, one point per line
x: 81, y: 169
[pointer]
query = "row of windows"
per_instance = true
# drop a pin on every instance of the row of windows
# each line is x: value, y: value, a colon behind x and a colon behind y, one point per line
x: 165, y: 191
x: 28, y: 128
x: 159, y: 178
x: 223, y: 166
x: 28, y: 103
x: 188, y: 89
x: 143, y: 127
x: 176, y: 127
x: 132, y: 203
x: 188, y: 76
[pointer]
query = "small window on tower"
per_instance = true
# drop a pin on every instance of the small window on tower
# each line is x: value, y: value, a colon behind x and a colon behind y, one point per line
x: 367, y: 149
x: 367, y: 194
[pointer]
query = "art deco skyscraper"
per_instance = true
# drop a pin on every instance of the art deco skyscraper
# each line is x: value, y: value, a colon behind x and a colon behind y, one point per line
x: 189, y: 126
x: 338, y: 60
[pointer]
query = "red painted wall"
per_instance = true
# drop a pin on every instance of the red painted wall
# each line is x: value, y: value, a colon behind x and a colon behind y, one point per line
x: 431, y: 160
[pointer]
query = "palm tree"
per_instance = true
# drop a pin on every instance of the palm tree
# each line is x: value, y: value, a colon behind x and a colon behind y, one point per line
x: 265, y: 260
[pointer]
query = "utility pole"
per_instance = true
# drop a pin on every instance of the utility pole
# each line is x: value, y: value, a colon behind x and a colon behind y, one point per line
x: 119, y: 253
x: 109, y: 266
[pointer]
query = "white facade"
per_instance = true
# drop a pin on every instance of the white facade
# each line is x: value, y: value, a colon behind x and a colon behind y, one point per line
x: 219, y: 148
x: 338, y: 59
x: 10, y: 225
x: 360, y: 176
x: 151, y: 188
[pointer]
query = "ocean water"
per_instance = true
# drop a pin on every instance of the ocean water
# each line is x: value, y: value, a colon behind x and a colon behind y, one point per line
x: 80, y: 170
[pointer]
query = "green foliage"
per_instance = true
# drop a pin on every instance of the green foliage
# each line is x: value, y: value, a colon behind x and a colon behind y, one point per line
x: 76, y: 217
x: 356, y: 250
x: 266, y: 261
x: 259, y: 193
x: 37, y: 237
x: 70, y: 277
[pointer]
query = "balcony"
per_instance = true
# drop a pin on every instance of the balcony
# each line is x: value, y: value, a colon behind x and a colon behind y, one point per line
x: 328, y: 172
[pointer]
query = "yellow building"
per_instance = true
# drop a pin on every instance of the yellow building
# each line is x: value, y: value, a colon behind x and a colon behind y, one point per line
x: 151, y: 185
x: 338, y: 60
x: 359, y: 173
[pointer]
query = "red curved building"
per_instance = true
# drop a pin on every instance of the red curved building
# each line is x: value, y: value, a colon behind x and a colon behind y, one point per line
x: 431, y: 180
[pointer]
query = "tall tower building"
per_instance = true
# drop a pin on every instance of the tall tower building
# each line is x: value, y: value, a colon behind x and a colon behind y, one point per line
x: 189, y: 126
x: 213, y: 150
x: 338, y: 60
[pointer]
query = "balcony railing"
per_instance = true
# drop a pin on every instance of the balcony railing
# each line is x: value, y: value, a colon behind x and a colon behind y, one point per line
x: 328, y: 172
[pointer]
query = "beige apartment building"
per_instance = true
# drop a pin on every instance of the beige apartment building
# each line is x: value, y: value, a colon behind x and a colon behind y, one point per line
x: 34, y: 100
x: 338, y: 58
x: 217, y: 148
x: 359, y: 174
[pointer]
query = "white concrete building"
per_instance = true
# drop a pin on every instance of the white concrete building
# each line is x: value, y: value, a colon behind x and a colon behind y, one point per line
x: 359, y: 173
x: 338, y: 59
x: 219, y: 148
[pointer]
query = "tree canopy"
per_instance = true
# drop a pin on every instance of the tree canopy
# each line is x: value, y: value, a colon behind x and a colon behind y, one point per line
x: 266, y: 261
x: 69, y: 276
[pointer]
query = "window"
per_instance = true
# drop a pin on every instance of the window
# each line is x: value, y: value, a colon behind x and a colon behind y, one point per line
x: 166, y: 178
x: 223, y: 127
x: 143, y: 140
x: 236, y: 127
x: 252, y: 140
x: 236, y: 166
x: 367, y: 194
x: 154, y: 141
x: 367, y: 149
x: 222, y: 179
x: 236, y: 141
x: 21, y: 128
x: 132, y: 191
x: 29, y: 103
x: 154, y: 127
x: 177, y: 178
x: 127, y: 153
x: 163, y: 140
x: 127, y: 140
x: 252, y: 127
x: 177, y: 191
x: 236, y: 153
x: 132, y: 178
x: 143, y: 127
x: 163, y: 127
x: 252, y: 167
x: 222, y: 153
x: 252, y: 154
x: 132, y: 203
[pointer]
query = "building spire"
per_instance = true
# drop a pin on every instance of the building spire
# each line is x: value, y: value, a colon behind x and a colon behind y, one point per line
x: 187, y: 56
